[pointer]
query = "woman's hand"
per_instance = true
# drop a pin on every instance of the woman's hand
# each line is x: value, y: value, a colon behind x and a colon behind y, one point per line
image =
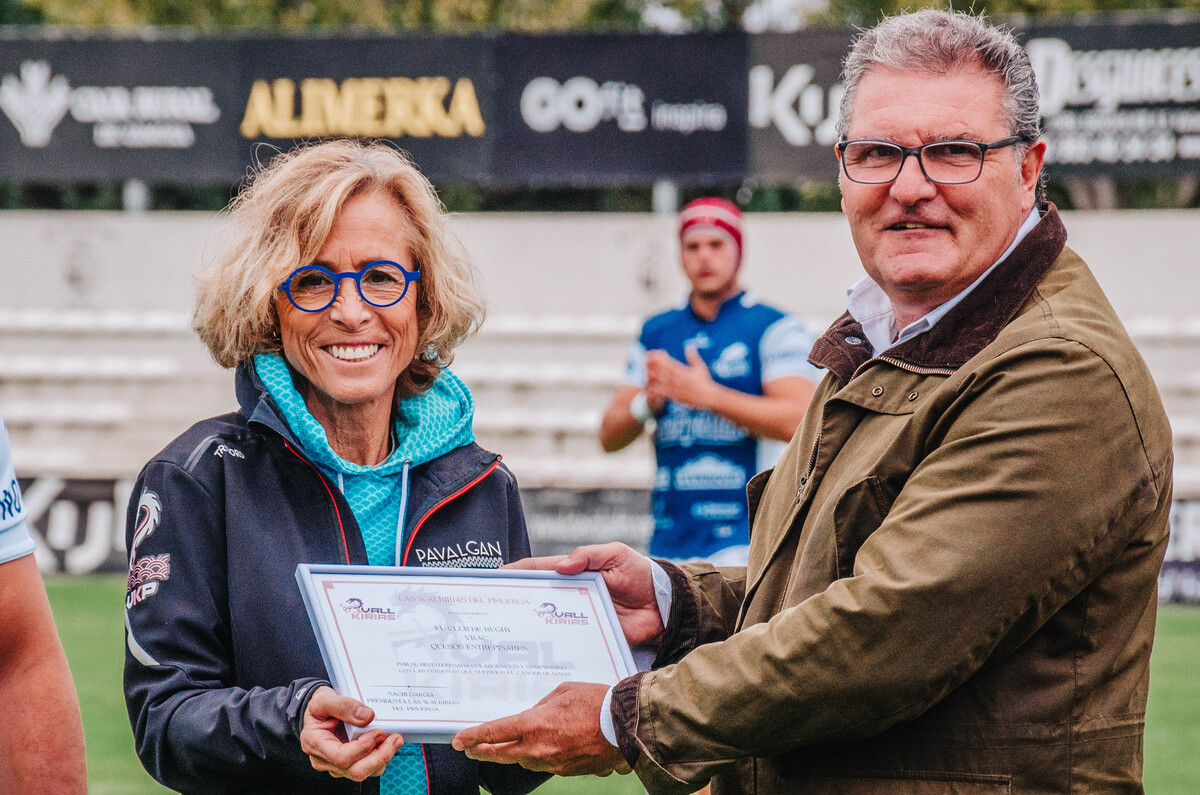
x: 324, y: 739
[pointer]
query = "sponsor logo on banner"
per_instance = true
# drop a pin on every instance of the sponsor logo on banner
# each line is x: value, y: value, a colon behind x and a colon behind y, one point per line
x: 733, y: 362
x: 78, y: 524
x: 550, y: 613
x: 709, y: 472
x: 580, y: 105
x: 141, y: 117
x: 35, y: 103
x: 375, y: 107
x: 802, y: 111
x: 1118, y: 106
x: 358, y: 611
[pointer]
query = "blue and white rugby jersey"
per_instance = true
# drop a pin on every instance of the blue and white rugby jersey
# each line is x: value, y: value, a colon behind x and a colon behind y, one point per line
x: 15, y: 540
x: 704, y: 460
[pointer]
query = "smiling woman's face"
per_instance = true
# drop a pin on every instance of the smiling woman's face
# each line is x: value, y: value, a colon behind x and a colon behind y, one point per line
x: 351, y: 354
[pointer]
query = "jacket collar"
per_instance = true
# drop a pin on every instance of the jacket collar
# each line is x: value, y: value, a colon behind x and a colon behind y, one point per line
x: 967, y: 328
x: 445, y: 474
x: 256, y: 404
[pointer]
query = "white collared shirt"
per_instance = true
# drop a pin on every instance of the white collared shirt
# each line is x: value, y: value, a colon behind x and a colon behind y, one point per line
x: 870, y: 306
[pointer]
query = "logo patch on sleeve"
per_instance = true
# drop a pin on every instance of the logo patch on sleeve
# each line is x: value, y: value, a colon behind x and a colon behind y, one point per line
x: 145, y: 575
x: 147, y: 572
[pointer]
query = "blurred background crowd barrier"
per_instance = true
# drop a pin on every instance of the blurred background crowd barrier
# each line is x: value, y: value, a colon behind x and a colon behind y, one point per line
x: 99, y: 368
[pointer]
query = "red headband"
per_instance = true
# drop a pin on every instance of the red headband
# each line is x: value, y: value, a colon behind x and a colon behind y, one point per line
x: 714, y: 216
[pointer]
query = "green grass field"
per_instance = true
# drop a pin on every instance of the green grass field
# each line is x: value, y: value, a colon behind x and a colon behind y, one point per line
x: 88, y: 612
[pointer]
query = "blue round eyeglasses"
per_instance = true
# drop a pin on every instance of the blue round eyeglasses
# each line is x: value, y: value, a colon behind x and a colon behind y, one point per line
x: 314, y: 288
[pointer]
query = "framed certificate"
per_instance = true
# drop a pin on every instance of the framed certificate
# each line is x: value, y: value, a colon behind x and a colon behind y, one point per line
x: 434, y: 651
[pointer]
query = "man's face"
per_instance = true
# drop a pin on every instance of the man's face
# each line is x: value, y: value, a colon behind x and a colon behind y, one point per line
x: 923, y: 243
x: 710, y: 263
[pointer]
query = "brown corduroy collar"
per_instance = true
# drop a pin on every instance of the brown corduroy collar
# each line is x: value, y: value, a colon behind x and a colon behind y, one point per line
x: 969, y: 326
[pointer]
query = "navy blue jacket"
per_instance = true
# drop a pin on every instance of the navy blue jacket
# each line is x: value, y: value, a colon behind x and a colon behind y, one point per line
x: 220, y: 656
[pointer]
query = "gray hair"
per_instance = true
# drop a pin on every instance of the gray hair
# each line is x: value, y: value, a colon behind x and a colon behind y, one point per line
x: 942, y: 42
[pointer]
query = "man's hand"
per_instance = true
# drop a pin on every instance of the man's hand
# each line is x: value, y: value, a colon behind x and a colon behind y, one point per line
x: 560, y: 734
x: 628, y: 578
x: 667, y: 379
x: 324, y: 739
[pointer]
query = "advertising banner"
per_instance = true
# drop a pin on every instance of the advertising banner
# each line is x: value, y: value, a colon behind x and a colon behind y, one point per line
x: 90, y: 109
x: 203, y: 110
x: 1119, y: 99
x: 794, y: 94
x: 79, y: 528
x: 621, y: 109
x: 431, y: 95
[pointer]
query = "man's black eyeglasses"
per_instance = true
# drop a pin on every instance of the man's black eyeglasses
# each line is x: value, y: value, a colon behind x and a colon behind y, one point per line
x: 943, y: 162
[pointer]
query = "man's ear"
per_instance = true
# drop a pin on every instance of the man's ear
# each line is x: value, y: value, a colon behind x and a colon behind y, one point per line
x: 1031, y: 165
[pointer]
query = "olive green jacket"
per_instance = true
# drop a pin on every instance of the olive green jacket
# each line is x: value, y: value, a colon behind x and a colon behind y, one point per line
x: 953, y: 568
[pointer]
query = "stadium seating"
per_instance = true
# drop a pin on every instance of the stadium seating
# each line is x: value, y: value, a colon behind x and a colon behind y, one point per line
x: 94, y: 394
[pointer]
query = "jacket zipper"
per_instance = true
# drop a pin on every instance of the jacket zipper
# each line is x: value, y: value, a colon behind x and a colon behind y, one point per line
x: 903, y: 365
x: 417, y: 527
x: 404, y: 484
x: 812, y: 462
x: 900, y: 363
x: 913, y: 368
x: 337, y: 511
x: 346, y: 547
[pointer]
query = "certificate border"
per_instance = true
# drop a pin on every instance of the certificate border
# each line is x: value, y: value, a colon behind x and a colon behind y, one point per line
x: 329, y: 584
x: 433, y: 729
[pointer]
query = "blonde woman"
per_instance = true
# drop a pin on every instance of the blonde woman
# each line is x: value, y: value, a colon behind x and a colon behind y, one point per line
x: 340, y: 302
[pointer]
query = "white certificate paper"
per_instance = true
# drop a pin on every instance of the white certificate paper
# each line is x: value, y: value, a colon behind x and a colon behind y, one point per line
x: 434, y: 651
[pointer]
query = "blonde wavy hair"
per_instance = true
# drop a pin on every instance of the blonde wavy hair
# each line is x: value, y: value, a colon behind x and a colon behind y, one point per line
x: 282, y: 219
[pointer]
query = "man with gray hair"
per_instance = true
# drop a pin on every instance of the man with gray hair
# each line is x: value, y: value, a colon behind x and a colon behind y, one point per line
x: 952, y: 571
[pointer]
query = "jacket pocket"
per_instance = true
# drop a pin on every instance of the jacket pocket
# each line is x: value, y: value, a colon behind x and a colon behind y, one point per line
x: 915, y: 783
x: 858, y: 513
